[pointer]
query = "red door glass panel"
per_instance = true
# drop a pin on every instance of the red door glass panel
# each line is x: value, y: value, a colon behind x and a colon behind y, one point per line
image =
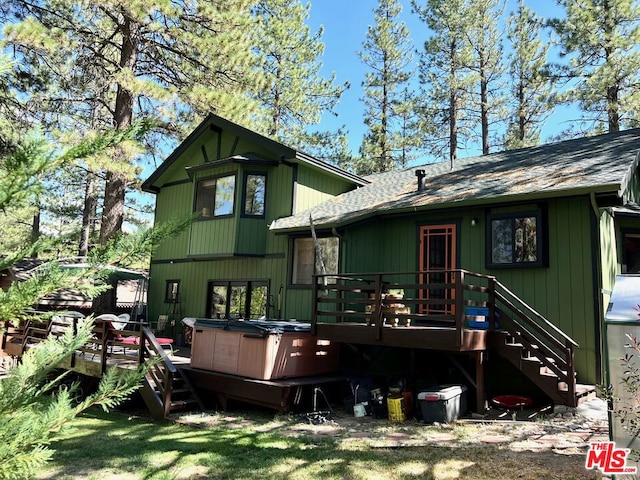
x: 437, y: 258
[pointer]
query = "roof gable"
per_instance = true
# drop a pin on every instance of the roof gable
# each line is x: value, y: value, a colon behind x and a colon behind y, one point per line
x: 280, y: 151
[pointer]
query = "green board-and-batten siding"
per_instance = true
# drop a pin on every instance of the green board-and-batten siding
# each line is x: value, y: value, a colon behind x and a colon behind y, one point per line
x: 312, y: 188
x: 563, y: 292
x: 236, y: 247
x: 194, y: 277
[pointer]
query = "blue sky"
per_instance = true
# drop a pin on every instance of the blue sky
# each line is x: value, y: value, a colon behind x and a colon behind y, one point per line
x: 345, y: 25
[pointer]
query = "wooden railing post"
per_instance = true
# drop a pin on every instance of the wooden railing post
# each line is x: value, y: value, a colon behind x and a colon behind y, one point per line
x: 168, y: 386
x: 459, y: 282
x: 377, y: 317
x: 142, y: 344
x: 491, y: 301
x: 314, y: 315
x: 571, y: 377
x: 74, y: 329
x: 104, y: 347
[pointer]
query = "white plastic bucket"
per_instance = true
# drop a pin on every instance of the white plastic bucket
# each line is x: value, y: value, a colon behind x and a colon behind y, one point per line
x: 359, y: 410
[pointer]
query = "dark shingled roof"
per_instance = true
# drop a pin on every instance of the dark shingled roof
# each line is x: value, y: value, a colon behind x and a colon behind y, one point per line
x: 600, y: 163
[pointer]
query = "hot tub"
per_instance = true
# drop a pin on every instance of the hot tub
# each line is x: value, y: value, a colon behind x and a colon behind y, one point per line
x: 261, y: 349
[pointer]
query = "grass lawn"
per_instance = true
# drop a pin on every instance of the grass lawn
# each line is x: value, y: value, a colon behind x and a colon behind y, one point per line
x: 103, y: 446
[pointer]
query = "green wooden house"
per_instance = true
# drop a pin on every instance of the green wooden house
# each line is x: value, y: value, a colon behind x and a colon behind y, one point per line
x: 228, y: 264
x: 509, y: 255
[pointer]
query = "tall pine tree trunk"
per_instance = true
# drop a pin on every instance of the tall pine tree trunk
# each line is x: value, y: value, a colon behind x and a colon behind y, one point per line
x: 453, y: 108
x: 522, y: 114
x: 613, y: 112
x: 88, y: 215
x: 116, y: 182
x: 484, y: 111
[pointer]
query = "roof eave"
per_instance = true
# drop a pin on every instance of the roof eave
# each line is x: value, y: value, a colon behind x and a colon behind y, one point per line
x: 327, y: 167
x: 380, y: 211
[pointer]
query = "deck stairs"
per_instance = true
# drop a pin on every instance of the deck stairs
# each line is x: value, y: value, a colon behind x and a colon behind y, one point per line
x: 167, y: 390
x: 540, y: 370
x: 542, y: 352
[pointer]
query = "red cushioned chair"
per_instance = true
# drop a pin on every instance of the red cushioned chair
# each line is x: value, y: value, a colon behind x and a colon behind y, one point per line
x: 164, y: 342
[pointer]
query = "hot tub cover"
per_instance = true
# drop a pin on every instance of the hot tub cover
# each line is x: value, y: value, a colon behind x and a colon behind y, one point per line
x: 261, y: 326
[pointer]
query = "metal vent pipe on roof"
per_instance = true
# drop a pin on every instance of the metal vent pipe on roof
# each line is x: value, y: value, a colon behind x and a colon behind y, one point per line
x: 420, y: 174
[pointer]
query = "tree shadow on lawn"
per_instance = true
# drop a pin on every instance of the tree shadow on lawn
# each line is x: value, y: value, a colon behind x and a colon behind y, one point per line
x: 111, y: 445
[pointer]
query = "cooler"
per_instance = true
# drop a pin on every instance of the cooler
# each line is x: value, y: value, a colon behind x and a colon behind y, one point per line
x: 444, y: 404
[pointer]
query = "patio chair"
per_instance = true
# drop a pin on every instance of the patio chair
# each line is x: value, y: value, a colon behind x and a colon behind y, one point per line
x: 122, y: 321
x: 165, y: 343
x: 60, y: 322
x: 112, y: 323
x: 161, y: 324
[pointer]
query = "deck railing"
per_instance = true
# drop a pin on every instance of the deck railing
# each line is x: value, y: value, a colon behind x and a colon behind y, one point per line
x: 446, y: 298
x: 129, y: 347
x: 455, y: 299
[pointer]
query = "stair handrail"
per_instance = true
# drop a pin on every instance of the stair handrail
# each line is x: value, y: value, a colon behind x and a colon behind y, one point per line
x: 545, y: 330
x: 547, y: 324
x: 150, y: 348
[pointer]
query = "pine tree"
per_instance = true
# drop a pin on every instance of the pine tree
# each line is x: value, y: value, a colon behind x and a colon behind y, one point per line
x: 388, y: 56
x: 485, y: 40
x: 531, y: 83
x: 445, y: 77
x: 600, y: 38
x: 108, y: 63
x: 293, y: 95
x: 330, y: 147
x: 34, y: 405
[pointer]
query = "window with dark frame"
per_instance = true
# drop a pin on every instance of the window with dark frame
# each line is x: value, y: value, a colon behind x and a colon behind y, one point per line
x: 172, y: 291
x: 631, y: 251
x: 515, y: 239
x: 254, y: 194
x: 237, y: 299
x: 306, y: 262
x: 215, y: 196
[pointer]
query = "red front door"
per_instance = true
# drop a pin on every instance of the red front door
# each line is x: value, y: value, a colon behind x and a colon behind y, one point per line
x: 437, y: 258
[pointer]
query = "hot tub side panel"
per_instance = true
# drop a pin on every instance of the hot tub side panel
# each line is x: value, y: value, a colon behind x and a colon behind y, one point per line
x: 274, y: 356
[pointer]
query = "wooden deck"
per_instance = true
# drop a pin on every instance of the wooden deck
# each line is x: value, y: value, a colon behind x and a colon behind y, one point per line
x: 423, y: 337
x: 171, y: 384
x: 405, y: 309
x: 450, y: 311
x: 454, y: 311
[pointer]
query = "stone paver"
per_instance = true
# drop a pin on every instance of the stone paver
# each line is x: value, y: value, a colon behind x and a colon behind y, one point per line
x: 565, y: 431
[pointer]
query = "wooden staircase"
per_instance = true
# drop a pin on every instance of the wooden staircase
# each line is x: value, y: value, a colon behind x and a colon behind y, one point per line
x: 535, y: 367
x: 167, y: 390
x: 542, y: 352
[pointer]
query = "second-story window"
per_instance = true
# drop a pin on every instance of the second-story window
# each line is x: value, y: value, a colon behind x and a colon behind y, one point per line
x: 215, y: 196
x: 254, y: 194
